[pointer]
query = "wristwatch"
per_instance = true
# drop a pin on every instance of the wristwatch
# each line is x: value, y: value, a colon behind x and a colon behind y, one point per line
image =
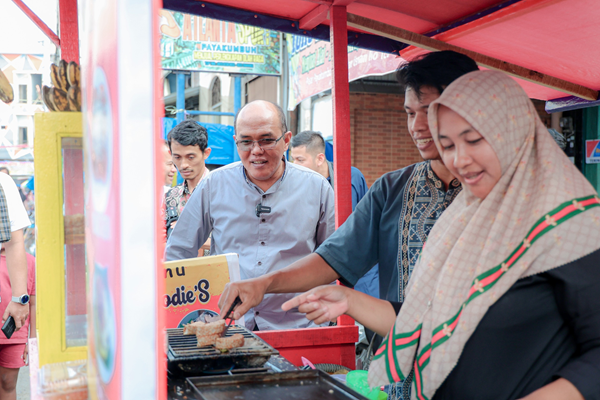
x: 24, y: 299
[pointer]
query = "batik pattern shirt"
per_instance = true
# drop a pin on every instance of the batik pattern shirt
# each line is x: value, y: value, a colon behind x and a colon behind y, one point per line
x: 424, y: 202
x: 178, y: 196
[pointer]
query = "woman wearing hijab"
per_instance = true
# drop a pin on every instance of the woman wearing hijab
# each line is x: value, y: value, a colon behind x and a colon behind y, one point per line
x: 504, y: 302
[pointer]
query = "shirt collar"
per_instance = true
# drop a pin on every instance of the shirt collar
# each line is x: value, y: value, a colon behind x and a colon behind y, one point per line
x: 186, y: 189
x: 275, y: 186
x: 438, y: 182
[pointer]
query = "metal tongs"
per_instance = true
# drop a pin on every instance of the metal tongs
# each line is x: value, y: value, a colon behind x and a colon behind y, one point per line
x: 230, y: 313
x: 213, y: 318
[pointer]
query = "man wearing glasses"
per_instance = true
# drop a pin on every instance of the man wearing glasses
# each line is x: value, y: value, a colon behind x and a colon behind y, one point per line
x: 268, y: 211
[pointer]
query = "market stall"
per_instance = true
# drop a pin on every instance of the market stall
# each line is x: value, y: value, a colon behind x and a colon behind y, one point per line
x: 121, y: 127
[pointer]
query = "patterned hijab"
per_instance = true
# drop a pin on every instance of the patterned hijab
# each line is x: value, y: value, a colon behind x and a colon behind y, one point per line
x: 529, y: 223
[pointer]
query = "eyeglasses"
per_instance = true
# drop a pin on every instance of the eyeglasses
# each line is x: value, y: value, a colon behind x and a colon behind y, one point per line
x: 264, y: 144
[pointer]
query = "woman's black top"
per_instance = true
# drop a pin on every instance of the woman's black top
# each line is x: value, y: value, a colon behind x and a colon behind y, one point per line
x: 544, y: 327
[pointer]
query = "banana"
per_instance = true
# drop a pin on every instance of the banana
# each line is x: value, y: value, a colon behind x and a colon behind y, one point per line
x: 74, y: 97
x: 59, y: 97
x: 55, y: 76
x: 73, y: 74
x: 46, y: 91
x: 6, y: 91
x: 62, y: 73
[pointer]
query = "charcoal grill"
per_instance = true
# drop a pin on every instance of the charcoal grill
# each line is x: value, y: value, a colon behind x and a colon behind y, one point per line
x: 186, y: 359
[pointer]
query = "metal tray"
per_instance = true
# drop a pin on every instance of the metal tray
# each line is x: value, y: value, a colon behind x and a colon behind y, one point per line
x: 185, y: 358
x: 301, y: 385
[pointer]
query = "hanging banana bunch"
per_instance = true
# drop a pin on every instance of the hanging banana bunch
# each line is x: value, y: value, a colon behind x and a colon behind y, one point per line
x: 65, y: 95
x: 6, y: 90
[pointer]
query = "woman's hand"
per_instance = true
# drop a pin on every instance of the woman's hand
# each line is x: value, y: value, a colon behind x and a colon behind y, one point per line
x: 323, y: 303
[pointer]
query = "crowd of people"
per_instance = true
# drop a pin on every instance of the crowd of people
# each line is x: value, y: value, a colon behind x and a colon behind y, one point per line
x: 477, y: 267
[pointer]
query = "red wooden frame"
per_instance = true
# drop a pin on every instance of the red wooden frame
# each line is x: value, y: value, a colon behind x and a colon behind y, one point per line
x: 38, y: 22
x: 69, y: 28
x: 341, y: 122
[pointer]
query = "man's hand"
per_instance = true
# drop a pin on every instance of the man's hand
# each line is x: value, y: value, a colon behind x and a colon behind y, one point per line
x: 251, y: 292
x: 18, y: 311
x: 321, y: 304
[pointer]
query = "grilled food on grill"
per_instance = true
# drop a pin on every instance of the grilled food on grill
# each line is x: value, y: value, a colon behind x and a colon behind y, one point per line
x: 190, y: 329
x: 207, y: 340
x: 211, y: 329
x: 230, y: 342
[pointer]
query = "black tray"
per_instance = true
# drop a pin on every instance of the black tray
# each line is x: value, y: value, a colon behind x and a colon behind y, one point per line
x: 301, y: 385
x: 184, y: 358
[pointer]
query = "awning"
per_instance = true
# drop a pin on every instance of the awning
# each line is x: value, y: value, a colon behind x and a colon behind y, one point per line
x: 556, y: 39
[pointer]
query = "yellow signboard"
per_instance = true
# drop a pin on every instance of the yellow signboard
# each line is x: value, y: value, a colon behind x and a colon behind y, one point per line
x: 194, y: 287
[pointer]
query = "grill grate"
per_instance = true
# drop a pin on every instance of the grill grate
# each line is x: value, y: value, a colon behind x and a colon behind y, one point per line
x: 185, y: 357
x: 186, y: 345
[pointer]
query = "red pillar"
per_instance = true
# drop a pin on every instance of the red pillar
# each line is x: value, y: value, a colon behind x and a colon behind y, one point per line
x: 68, y: 30
x: 341, y: 121
x: 341, y: 114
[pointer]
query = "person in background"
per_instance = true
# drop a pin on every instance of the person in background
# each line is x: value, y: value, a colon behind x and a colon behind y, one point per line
x: 504, y: 301
x: 307, y: 148
x: 14, y: 352
x: 268, y: 211
x: 13, y: 219
x: 5, y: 170
x: 169, y: 169
x: 188, y: 143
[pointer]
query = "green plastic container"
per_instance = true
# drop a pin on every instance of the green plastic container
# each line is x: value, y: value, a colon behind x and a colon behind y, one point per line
x: 357, y: 380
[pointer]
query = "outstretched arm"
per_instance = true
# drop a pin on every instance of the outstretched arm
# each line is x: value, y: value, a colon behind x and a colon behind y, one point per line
x: 16, y: 263
x: 325, y: 303
x: 300, y: 276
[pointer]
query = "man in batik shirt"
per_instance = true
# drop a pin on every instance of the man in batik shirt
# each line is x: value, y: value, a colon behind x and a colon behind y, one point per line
x: 188, y: 143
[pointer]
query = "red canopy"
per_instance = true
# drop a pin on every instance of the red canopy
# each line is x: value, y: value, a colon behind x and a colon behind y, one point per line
x: 557, y: 38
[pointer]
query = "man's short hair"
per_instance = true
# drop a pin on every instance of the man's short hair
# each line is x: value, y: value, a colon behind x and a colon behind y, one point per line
x: 5, y: 170
x: 436, y: 69
x: 314, y: 142
x: 189, y: 133
x: 280, y: 115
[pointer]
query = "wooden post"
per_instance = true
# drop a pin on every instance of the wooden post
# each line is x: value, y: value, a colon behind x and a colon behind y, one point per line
x: 38, y: 22
x: 69, y: 30
x: 340, y: 90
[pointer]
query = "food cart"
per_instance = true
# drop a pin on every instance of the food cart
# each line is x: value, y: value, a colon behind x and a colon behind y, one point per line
x: 121, y: 124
